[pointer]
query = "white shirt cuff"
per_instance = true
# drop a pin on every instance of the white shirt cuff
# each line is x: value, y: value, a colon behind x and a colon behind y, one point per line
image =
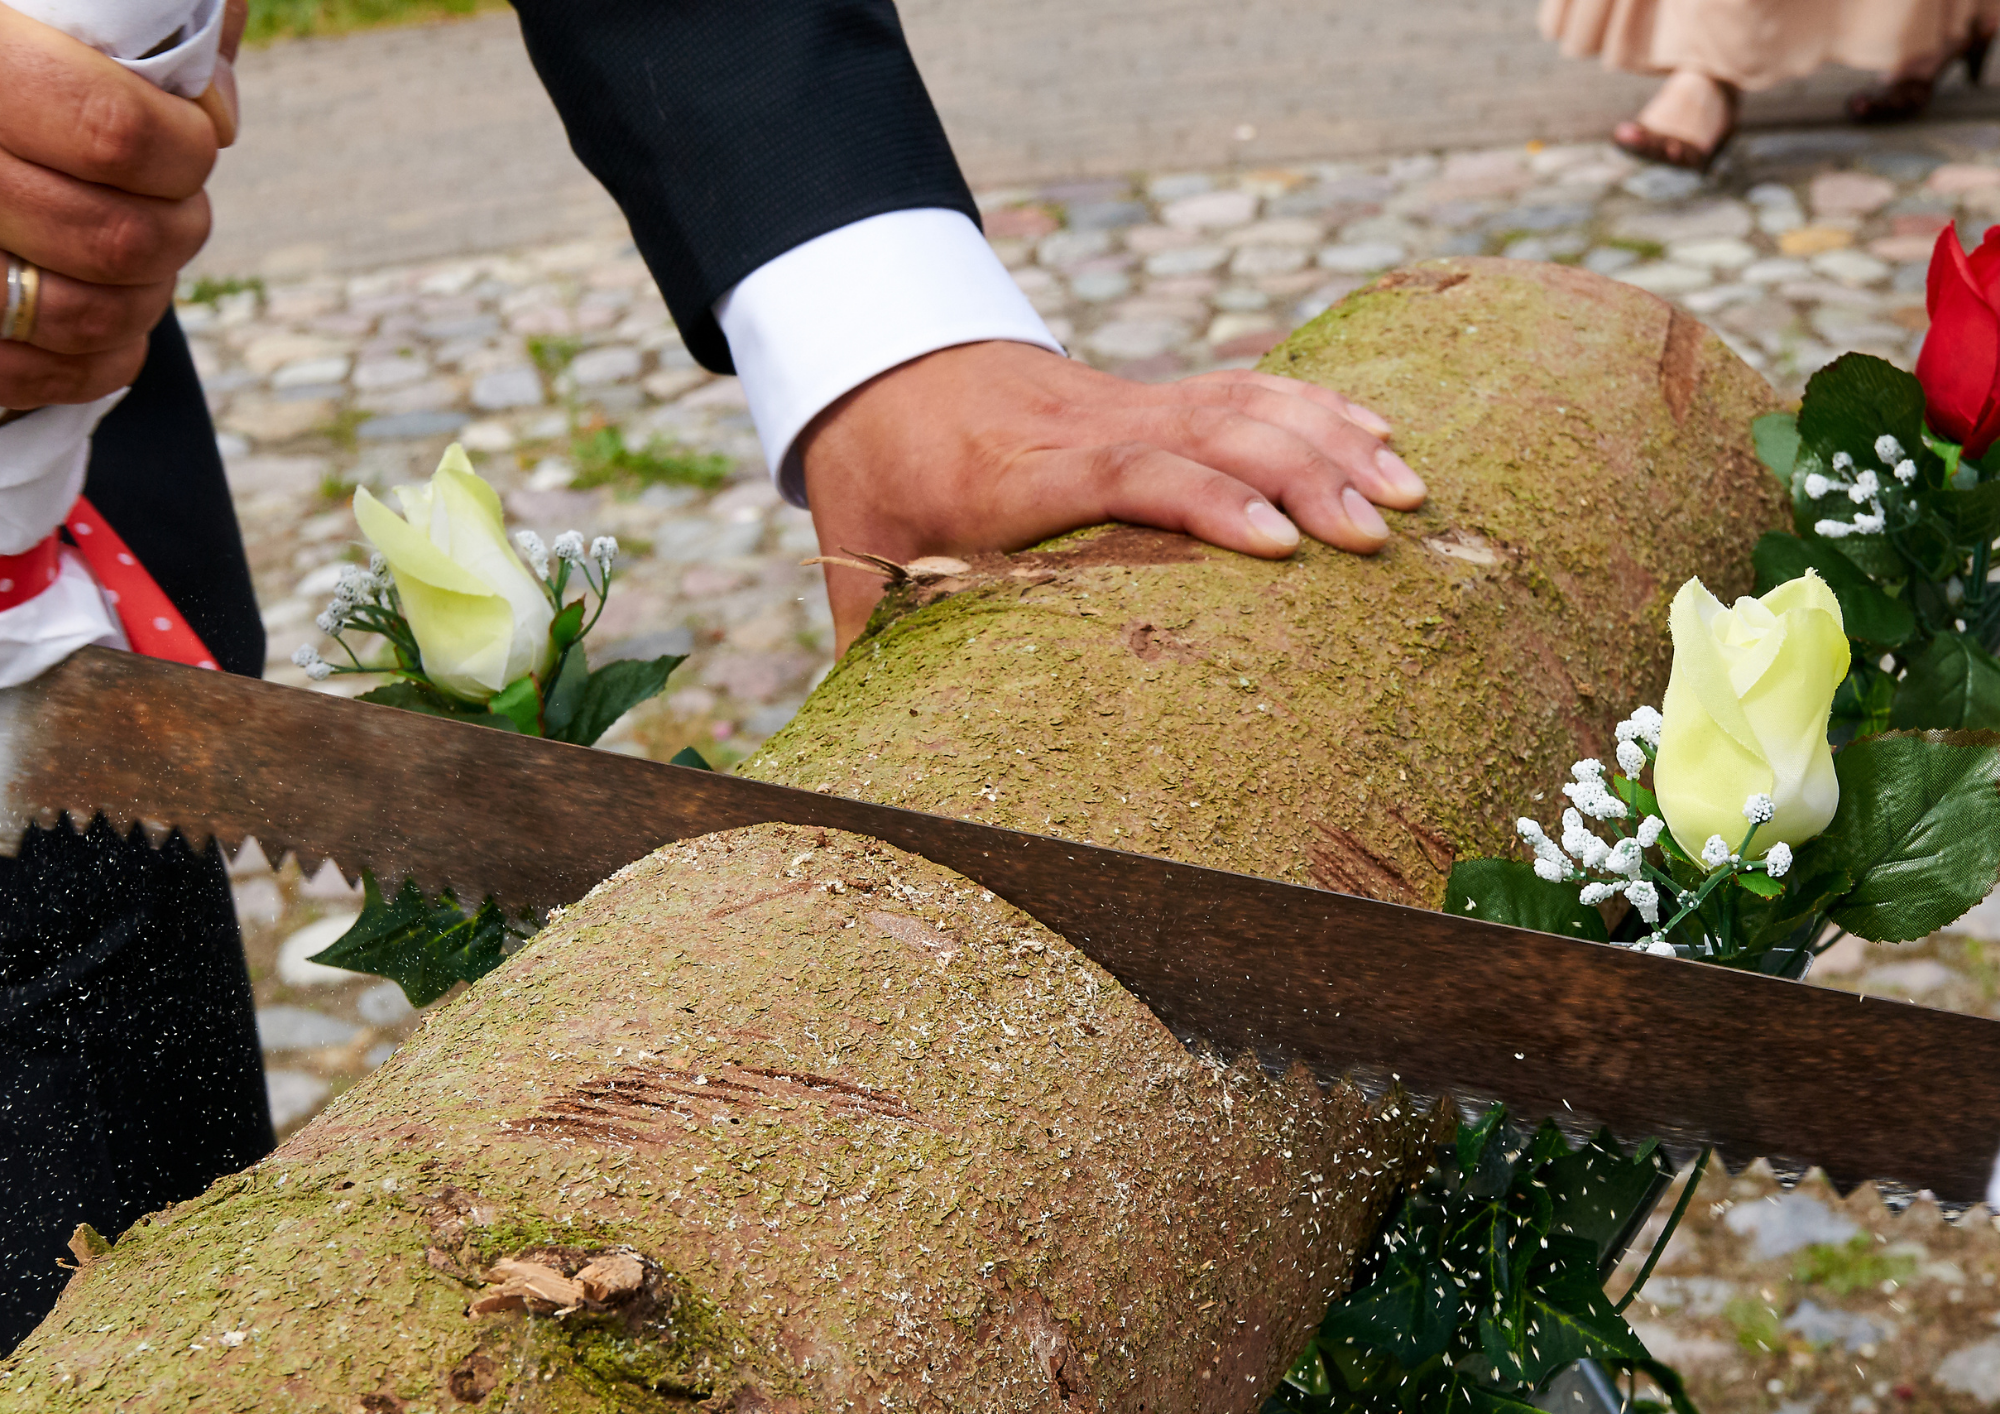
x: 826, y: 316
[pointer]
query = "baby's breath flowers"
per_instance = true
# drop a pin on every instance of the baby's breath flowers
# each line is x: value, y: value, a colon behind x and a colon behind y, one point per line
x: 1862, y: 487
x: 1620, y: 864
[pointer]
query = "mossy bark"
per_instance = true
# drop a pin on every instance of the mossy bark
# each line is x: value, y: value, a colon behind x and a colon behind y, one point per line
x: 881, y: 1140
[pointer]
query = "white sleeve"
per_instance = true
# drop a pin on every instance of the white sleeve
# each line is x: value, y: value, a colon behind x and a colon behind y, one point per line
x: 826, y: 316
x: 133, y: 32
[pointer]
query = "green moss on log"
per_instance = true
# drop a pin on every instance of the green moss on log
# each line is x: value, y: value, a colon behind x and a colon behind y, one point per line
x: 879, y: 1138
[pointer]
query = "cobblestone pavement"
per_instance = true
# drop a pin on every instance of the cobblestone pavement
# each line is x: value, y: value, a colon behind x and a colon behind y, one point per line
x: 437, y: 140
x: 1805, y: 244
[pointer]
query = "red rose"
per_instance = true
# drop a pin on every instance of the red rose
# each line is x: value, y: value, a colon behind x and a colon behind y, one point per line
x: 1960, y: 364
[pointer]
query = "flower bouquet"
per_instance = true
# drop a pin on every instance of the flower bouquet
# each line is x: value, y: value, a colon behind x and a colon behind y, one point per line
x: 1826, y: 759
x: 469, y: 629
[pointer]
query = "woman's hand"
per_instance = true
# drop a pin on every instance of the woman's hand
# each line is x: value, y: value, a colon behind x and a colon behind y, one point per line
x: 101, y: 179
x: 995, y: 446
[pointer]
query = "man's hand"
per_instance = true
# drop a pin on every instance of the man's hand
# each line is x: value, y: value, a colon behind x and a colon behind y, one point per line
x: 996, y: 446
x: 101, y: 180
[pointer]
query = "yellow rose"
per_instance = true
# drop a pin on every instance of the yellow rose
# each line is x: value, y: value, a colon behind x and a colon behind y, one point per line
x: 481, y: 620
x: 1746, y: 714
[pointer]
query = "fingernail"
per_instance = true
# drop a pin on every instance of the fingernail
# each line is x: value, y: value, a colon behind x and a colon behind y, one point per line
x: 1366, y: 518
x: 1399, y: 473
x: 1267, y: 521
x: 1367, y: 419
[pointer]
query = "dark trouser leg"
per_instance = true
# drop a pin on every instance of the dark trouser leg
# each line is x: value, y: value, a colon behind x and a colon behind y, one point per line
x: 129, y: 1071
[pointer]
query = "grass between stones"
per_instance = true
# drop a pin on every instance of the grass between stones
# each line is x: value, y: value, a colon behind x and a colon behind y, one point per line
x: 290, y: 19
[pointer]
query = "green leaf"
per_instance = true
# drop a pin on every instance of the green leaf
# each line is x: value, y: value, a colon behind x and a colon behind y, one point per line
x: 1478, y: 1245
x: 1868, y: 613
x: 1776, y: 436
x: 688, y: 756
x: 1763, y: 885
x: 1918, y: 829
x: 1854, y: 400
x: 1974, y: 514
x: 612, y: 691
x: 422, y: 947
x: 1406, y: 1312
x: 1954, y: 685
x: 1508, y: 891
x: 1596, y: 1189
x: 1665, y: 1376
x: 567, y: 627
x: 412, y: 697
x: 1861, y: 703
x: 520, y: 702
x: 1473, y: 1139
x: 566, y: 690
x: 1569, y: 1318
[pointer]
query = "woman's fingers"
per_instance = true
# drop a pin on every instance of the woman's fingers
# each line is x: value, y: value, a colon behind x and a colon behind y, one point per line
x: 33, y: 378
x: 73, y: 111
x: 74, y: 317
x: 96, y: 233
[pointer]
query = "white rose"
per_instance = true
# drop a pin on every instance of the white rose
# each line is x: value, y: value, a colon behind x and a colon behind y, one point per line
x: 1746, y: 713
x: 481, y: 620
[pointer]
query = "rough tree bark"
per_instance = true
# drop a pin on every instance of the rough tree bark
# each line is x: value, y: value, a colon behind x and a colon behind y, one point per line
x: 870, y: 1137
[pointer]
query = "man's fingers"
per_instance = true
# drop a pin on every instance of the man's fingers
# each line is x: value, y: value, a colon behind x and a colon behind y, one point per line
x: 72, y: 110
x: 92, y: 232
x: 1367, y: 419
x: 1146, y: 485
x: 1352, y: 453
x: 1355, y: 455
x: 73, y: 317
x: 33, y: 378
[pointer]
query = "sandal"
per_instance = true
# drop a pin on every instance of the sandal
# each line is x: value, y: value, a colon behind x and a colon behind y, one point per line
x: 1899, y: 100
x: 1648, y: 145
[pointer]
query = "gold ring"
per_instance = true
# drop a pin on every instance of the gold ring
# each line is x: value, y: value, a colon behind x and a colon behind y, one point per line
x: 24, y: 298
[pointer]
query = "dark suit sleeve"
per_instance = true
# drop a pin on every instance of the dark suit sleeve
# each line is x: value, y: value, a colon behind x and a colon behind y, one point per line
x: 157, y: 477
x: 732, y: 130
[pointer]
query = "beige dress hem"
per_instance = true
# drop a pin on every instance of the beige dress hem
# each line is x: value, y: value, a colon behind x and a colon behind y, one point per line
x: 1757, y: 43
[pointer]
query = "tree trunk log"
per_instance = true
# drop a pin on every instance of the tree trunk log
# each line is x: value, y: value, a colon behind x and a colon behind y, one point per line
x: 789, y: 1119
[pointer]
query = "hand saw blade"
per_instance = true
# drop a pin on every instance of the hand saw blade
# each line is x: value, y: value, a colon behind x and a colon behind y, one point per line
x: 1583, y: 1033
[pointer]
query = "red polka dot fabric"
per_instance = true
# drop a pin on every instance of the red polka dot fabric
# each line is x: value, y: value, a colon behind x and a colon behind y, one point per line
x: 152, y: 624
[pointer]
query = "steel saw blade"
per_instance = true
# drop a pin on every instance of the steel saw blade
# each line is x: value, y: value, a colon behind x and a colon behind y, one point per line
x: 1583, y: 1033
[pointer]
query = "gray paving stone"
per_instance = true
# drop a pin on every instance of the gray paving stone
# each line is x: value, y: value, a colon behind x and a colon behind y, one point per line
x: 410, y: 426
x: 1663, y: 184
x: 291, y: 1028
x: 617, y: 363
x: 1360, y: 258
x: 1821, y: 1325
x: 505, y: 388
x: 1784, y: 1224
x: 293, y: 1094
x: 1973, y: 1370
x: 1693, y: 221
x: 1107, y: 215
x: 383, y: 1004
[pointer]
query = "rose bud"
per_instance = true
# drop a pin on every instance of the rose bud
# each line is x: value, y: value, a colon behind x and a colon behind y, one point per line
x: 481, y: 620
x: 1746, y: 712
x: 1960, y: 363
